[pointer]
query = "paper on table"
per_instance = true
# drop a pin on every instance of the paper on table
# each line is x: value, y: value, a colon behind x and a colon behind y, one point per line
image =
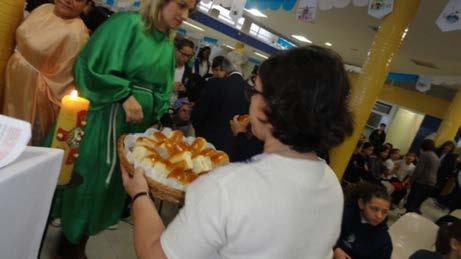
x: 14, y: 136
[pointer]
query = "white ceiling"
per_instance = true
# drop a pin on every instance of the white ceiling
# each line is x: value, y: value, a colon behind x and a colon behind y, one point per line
x: 348, y: 29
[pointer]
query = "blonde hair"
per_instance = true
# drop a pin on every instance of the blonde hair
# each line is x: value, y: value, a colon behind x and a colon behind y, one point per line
x: 150, y: 14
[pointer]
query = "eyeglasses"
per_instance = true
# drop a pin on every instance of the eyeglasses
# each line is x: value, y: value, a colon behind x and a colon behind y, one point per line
x: 186, y: 55
x: 250, y: 91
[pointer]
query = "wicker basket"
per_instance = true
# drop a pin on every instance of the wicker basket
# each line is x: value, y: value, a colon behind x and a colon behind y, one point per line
x: 158, y: 190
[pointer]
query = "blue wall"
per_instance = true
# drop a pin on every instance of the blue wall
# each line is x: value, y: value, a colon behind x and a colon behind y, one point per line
x: 429, y: 126
x: 232, y: 32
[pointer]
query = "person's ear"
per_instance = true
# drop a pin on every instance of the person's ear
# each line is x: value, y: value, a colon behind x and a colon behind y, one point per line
x: 455, y: 245
x: 361, y: 204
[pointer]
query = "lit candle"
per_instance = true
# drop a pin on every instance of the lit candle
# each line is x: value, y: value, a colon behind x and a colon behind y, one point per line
x: 69, y: 132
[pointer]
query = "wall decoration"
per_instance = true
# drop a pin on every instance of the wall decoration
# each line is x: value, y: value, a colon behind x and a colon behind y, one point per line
x: 380, y: 8
x: 450, y: 18
x: 306, y: 10
x: 236, y: 9
x: 424, y: 84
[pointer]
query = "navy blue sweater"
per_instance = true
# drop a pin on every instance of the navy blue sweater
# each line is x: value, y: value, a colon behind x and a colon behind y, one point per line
x: 424, y: 254
x: 362, y: 240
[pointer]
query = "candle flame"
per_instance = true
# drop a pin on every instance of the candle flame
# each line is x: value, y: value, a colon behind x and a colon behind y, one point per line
x: 74, y: 94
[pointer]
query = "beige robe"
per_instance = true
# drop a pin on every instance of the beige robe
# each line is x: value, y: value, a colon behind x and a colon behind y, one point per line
x: 39, y: 73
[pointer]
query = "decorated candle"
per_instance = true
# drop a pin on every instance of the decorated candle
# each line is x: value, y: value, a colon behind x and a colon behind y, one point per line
x: 69, y: 132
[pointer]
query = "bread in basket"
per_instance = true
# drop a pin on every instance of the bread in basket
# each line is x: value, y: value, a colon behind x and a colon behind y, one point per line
x: 170, y: 161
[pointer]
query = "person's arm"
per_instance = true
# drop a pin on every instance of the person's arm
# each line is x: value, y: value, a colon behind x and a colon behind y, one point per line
x: 99, y: 69
x: 204, y: 107
x: 383, y: 137
x: 197, y: 232
x: 419, y: 169
x: 147, y: 224
x: 372, y: 136
x: 385, y: 251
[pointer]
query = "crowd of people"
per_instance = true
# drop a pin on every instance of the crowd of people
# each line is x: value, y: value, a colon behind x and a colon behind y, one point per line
x: 413, y: 176
x: 433, y: 172
x: 277, y: 125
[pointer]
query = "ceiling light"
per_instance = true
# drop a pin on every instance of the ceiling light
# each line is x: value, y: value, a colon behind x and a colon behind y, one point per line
x: 328, y: 44
x: 229, y: 46
x: 261, y: 55
x: 256, y: 13
x: 301, y: 38
x: 194, y: 26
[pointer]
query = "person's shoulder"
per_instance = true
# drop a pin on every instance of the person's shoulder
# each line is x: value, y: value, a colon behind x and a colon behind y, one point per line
x: 125, y: 19
x: 79, y: 27
x: 213, y: 83
x: 431, y: 155
x: 49, y: 7
x: 236, y: 77
x: 233, y: 173
x: 218, y: 179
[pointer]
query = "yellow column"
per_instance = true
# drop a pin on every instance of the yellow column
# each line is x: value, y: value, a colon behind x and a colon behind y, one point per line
x: 385, y: 45
x: 11, y: 14
x: 451, y: 121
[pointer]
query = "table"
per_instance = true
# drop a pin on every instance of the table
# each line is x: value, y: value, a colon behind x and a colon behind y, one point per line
x: 26, y: 191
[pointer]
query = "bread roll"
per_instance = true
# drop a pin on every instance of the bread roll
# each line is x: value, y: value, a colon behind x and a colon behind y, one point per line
x: 159, y: 137
x: 177, y: 174
x: 147, y: 162
x: 147, y: 142
x: 201, y: 164
x: 182, y: 146
x: 198, y: 145
x: 207, y: 152
x: 189, y: 177
x: 139, y: 152
x: 161, y: 169
x: 219, y: 159
x: 184, y: 156
x: 176, y: 137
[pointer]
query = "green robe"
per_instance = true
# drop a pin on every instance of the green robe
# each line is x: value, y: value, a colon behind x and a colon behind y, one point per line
x: 120, y: 59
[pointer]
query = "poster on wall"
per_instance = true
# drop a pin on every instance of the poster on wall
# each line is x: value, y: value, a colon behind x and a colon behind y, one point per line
x: 380, y: 8
x: 424, y: 84
x: 306, y: 11
x: 236, y: 9
x: 450, y: 18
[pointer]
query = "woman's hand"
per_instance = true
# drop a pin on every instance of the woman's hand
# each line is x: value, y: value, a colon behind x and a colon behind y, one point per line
x: 133, y: 110
x: 136, y: 183
x: 340, y: 254
x: 238, y: 126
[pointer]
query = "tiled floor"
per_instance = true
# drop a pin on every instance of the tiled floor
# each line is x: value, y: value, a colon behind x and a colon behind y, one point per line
x: 110, y: 244
x: 118, y: 244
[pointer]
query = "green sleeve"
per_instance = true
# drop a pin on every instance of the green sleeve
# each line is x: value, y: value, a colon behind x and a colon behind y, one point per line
x: 99, y: 69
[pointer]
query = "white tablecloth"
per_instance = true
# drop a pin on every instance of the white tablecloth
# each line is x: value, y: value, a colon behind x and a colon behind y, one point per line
x: 26, y: 190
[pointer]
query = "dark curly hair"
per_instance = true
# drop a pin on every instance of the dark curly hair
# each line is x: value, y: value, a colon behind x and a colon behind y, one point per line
x: 365, y: 192
x: 428, y: 145
x: 307, y: 91
x: 447, y: 231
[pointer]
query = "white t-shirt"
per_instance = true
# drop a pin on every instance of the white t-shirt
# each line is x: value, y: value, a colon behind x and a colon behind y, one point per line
x: 273, y: 207
x: 203, y: 68
x: 389, y: 164
x: 404, y: 169
x: 178, y: 74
